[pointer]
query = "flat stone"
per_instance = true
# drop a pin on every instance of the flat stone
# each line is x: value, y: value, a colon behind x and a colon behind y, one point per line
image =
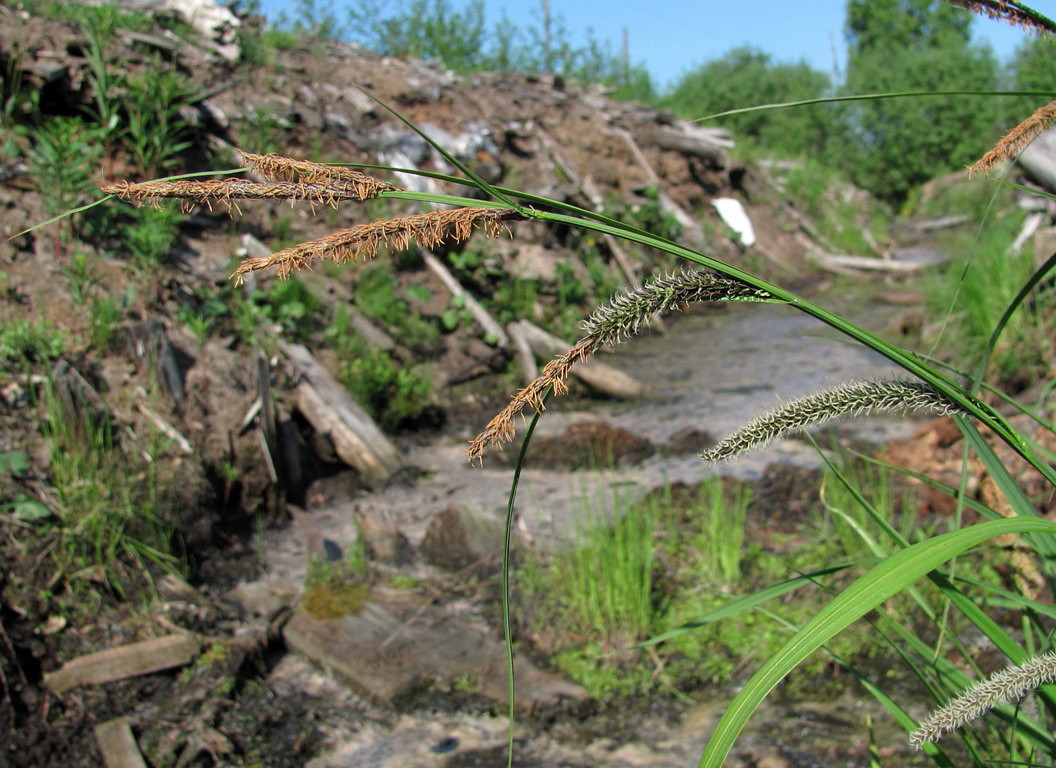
x: 460, y: 536
x: 401, y: 643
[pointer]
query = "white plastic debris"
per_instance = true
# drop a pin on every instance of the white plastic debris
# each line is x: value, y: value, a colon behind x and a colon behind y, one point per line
x: 736, y: 218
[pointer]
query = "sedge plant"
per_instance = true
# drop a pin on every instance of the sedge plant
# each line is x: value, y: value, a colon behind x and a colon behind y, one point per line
x: 924, y: 386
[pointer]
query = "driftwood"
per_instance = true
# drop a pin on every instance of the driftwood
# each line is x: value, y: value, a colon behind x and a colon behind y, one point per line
x: 911, y: 262
x: 117, y: 744
x: 931, y: 224
x: 709, y: 144
x: 485, y: 320
x: 166, y: 429
x: 125, y: 661
x: 331, y: 411
x: 596, y: 375
x: 1030, y: 226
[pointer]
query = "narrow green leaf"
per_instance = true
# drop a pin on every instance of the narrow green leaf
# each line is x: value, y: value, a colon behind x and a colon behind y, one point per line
x: 884, y: 580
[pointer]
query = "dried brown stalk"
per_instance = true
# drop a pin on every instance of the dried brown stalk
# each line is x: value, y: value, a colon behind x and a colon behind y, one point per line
x: 1013, y: 142
x: 282, y: 168
x: 427, y: 229
x: 227, y: 191
x: 1016, y: 14
x: 554, y: 375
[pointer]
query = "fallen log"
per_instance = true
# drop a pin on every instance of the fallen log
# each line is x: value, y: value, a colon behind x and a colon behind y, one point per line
x: 125, y: 661
x: 331, y: 411
x: 596, y: 375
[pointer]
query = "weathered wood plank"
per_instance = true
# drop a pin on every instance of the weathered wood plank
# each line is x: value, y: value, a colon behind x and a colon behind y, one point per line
x: 331, y: 411
x: 125, y: 661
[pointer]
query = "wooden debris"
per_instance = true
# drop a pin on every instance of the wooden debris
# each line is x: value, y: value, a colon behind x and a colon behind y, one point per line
x: 839, y: 263
x: 331, y: 411
x: 117, y: 744
x: 481, y: 315
x: 166, y: 429
x: 596, y: 375
x: 709, y: 144
x: 125, y: 661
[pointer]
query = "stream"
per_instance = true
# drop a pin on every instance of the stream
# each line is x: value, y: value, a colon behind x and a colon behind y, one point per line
x: 711, y: 371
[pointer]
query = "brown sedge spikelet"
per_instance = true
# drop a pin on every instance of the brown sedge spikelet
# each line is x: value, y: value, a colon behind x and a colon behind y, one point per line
x: 1014, y: 13
x: 1007, y: 685
x: 226, y: 192
x: 622, y: 316
x: 427, y: 229
x: 858, y: 398
x: 1013, y: 142
x: 280, y: 168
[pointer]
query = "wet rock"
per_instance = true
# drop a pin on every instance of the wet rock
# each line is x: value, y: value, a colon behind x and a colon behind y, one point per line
x: 689, y: 440
x: 401, y: 643
x: 460, y: 536
x: 384, y: 542
x: 585, y: 446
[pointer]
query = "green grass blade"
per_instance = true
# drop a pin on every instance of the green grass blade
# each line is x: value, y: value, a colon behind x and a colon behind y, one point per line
x: 865, y: 97
x: 507, y: 538
x: 1024, y: 291
x: 748, y: 602
x: 884, y: 580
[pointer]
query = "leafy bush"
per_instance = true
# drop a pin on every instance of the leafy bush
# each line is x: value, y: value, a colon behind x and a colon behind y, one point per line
x: 748, y: 76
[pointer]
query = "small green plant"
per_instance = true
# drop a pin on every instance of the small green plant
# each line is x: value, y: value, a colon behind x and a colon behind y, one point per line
x: 979, y: 289
x: 64, y: 156
x: 150, y: 237
x: 156, y: 132
x: 102, y: 323
x: 377, y: 296
x: 291, y: 304
x: 111, y: 513
x: 393, y: 394
x: 81, y: 279
x: 23, y: 342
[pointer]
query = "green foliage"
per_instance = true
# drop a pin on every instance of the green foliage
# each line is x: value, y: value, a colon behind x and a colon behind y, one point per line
x: 23, y: 342
x: 896, y: 144
x: 156, y: 133
x: 63, y: 159
x: 376, y: 296
x: 748, y: 76
x: 392, y: 393
x: 291, y: 304
x: 102, y: 323
x: 979, y: 288
x: 459, y: 38
x: 151, y: 235
x: 840, y: 211
x: 111, y: 512
x: 857, y: 531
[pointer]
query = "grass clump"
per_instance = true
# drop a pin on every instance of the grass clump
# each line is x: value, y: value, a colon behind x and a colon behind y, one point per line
x: 974, y: 293
x: 111, y: 514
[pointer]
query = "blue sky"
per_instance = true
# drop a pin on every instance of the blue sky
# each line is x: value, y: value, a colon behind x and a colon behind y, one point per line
x: 672, y: 38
